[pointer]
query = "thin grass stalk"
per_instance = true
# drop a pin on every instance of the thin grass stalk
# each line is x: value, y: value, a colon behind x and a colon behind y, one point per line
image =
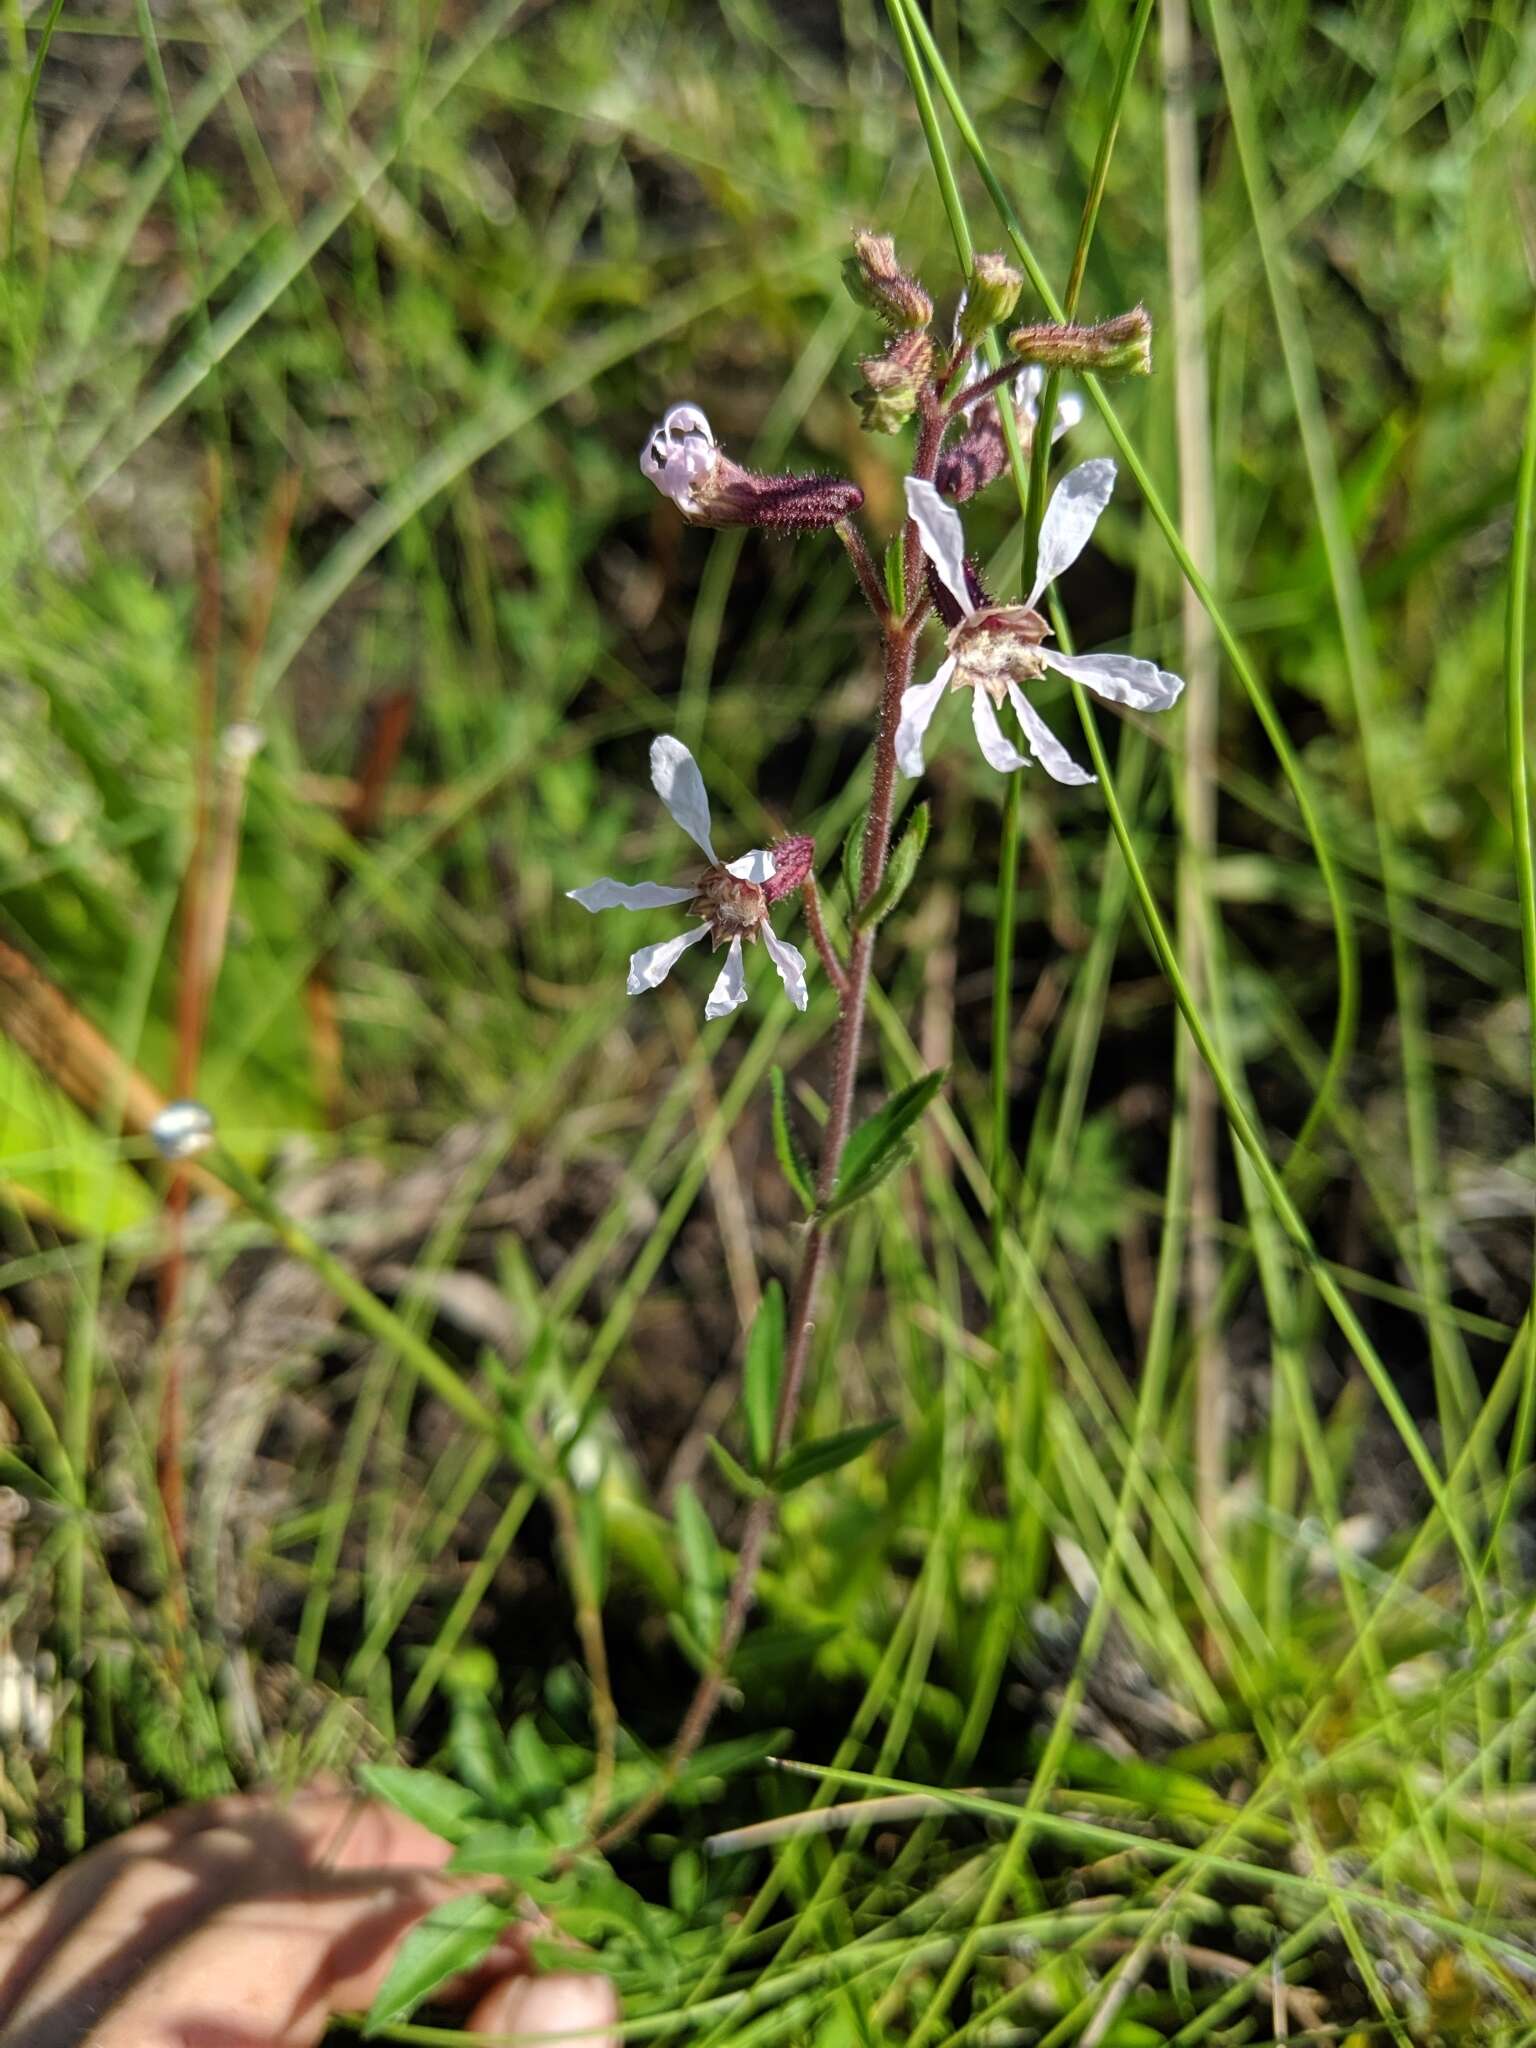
x: 1454, y: 1387
x: 1346, y: 1015
x: 1516, y: 748
x: 1197, y: 513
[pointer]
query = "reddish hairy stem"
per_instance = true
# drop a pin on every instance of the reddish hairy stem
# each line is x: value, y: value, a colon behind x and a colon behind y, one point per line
x: 836, y: 973
x: 982, y: 388
x: 870, y: 580
x: 852, y: 985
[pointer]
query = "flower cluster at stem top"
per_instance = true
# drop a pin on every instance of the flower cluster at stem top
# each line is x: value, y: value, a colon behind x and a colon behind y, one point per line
x: 995, y: 651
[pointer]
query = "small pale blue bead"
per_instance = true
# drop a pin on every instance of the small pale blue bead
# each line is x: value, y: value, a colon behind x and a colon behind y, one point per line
x: 182, y: 1130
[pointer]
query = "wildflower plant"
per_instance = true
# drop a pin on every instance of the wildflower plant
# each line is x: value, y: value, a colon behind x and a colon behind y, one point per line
x: 943, y: 393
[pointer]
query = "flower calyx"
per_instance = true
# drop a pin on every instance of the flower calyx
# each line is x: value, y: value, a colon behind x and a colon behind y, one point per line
x: 877, y: 281
x: 731, y: 906
x: 996, y: 645
x: 1110, y: 348
x: 685, y: 462
x: 893, y: 383
x: 990, y: 296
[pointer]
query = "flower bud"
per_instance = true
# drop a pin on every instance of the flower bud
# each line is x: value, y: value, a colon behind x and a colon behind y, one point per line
x: 942, y: 597
x: 888, y: 396
x: 1118, y: 347
x: 990, y: 297
x: 977, y: 459
x: 792, y: 863
x: 877, y: 281
x: 686, y: 463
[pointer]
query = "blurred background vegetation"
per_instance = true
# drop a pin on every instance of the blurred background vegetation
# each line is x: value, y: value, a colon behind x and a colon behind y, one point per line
x: 332, y: 336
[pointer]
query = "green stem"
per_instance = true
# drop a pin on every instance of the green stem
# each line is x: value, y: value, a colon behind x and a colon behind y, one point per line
x: 1525, y: 872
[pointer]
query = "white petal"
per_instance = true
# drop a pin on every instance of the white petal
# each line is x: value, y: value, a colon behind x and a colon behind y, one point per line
x: 610, y: 895
x: 756, y: 866
x: 680, y: 452
x: 650, y: 967
x: 943, y: 539
x: 677, y: 781
x: 791, y: 965
x: 730, y: 989
x: 999, y: 750
x: 1068, y: 414
x: 1070, y: 518
x: 679, y: 421
x: 1120, y: 678
x: 1027, y: 386
x: 1044, y: 745
x: 918, y: 705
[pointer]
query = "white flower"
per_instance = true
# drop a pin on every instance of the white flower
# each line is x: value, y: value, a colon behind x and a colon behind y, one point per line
x: 1027, y: 387
x: 681, y: 452
x: 730, y: 898
x: 994, y: 649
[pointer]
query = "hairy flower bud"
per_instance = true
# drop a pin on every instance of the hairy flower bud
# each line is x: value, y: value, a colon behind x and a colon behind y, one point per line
x: 888, y: 396
x: 793, y: 860
x: 877, y: 280
x: 990, y: 297
x: 943, y: 599
x: 978, y: 458
x: 1118, y: 347
x: 686, y: 463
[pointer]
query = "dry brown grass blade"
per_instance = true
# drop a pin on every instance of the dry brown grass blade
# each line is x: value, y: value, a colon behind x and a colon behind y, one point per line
x: 80, y: 1060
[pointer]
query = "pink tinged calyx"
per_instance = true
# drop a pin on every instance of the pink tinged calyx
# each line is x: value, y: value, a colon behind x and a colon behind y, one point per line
x: 793, y: 860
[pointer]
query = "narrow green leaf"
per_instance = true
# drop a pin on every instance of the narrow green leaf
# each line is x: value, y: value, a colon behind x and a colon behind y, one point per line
x: 867, y: 1158
x: 763, y: 1374
x: 454, y: 1937
x: 533, y: 1760
x: 843, y: 1199
x: 438, y: 1803
x: 793, y: 1163
x: 826, y: 1454
x: 517, y: 1854
x: 701, y: 1565
x: 899, y: 870
x: 736, y: 1476
x: 853, y: 856
x: 896, y: 576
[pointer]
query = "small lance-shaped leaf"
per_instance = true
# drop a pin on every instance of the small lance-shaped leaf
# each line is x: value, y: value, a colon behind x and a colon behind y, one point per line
x: 876, y: 1147
x: 448, y: 1809
x: 701, y: 1566
x: 453, y: 1938
x: 901, y: 1154
x: 899, y: 870
x: 763, y: 1374
x: 736, y: 1476
x: 518, y: 1855
x: 896, y: 576
x: 826, y: 1454
x: 853, y: 857
x: 793, y: 1163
